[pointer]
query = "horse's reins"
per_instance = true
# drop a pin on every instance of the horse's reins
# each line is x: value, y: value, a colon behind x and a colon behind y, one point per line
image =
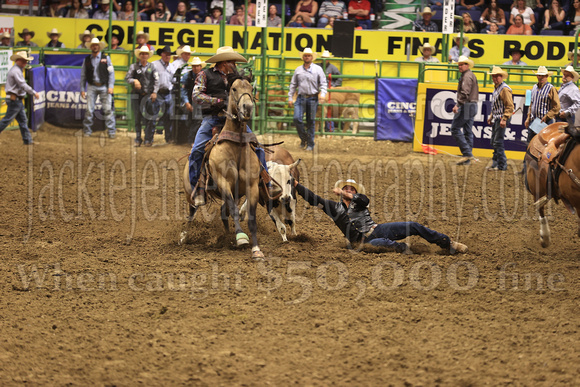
x: 233, y: 116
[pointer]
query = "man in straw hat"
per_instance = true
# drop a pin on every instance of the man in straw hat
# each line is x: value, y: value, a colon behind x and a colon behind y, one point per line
x: 26, y: 41
x: 142, y: 38
x: 502, y: 108
x: 102, y: 12
x: 98, y: 80
x: 331, y: 70
x: 85, y: 38
x: 183, y: 56
x: 16, y: 89
x: 545, y: 104
x: 424, y: 23
x: 454, y: 51
x: 186, y: 84
x: 310, y: 83
x: 352, y: 216
x: 428, y: 51
x: 145, y: 80
x: 54, y: 35
x: 164, y: 98
x: 516, y: 59
x: 5, y: 39
x: 465, y: 110
x: 569, y: 95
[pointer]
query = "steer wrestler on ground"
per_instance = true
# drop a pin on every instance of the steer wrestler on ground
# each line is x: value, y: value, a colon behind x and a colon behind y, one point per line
x: 352, y: 216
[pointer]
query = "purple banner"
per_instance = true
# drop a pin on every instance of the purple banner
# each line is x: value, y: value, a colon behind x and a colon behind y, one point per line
x: 38, y: 105
x: 396, y: 104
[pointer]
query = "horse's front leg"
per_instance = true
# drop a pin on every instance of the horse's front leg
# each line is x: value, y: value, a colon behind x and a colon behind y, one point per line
x: 252, y: 200
x: 544, y: 228
x: 241, y: 237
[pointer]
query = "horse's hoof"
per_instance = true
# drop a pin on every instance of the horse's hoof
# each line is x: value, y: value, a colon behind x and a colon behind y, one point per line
x: 257, y: 255
x: 545, y: 242
x: 242, y: 239
x: 182, y: 238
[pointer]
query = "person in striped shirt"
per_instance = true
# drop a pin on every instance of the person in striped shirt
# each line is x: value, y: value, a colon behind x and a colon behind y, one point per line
x: 502, y: 108
x: 545, y: 101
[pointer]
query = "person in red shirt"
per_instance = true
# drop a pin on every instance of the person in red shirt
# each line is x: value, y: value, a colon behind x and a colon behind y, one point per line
x: 360, y: 10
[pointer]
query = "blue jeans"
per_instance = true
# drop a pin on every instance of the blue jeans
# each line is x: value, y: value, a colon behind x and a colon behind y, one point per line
x: 105, y: 97
x: 202, y: 137
x: 145, y: 112
x: 164, y: 103
x: 497, y: 137
x: 16, y: 110
x: 386, y: 234
x: 461, y: 127
x: 306, y: 105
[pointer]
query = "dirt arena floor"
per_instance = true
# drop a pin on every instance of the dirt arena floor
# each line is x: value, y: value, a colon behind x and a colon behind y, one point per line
x: 97, y: 291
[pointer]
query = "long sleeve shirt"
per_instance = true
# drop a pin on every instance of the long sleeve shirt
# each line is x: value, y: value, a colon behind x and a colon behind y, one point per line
x: 420, y: 25
x: 454, y: 53
x: 331, y: 9
x: 554, y: 108
x: 164, y: 74
x: 331, y: 70
x: 569, y: 98
x: 95, y: 60
x: 308, y: 81
x: 146, y: 75
x: 467, y: 89
x: 200, y: 88
x: 16, y: 84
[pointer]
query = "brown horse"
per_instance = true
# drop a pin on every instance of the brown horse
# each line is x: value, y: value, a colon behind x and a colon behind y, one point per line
x: 567, y: 186
x: 233, y: 165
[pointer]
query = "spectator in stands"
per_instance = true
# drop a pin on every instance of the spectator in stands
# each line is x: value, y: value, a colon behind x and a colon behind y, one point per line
x: 332, y: 70
x: 425, y: 23
x: 142, y: 40
x: 146, y: 9
x: 77, y: 11
x: 53, y: 8
x: 307, y: 9
x: 103, y: 12
x: 128, y: 12
x: 183, y: 15
x: 554, y: 16
x: 493, y: 29
x: 98, y: 80
x: 454, y: 51
x: 273, y: 19
x: 330, y: 24
x: 115, y: 43
x: 161, y: 12
x: 54, y: 35
x: 183, y: 56
x: 574, y: 17
x: 466, y: 5
x: 469, y: 26
x: 251, y: 9
x: 428, y: 52
x: 85, y: 38
x: 569, y: 95
x: 16, y: 89
x: 229, y: 6
x: 571, y: 57
x: 298, y: 23
x: 331, y: 8
x: 145, y: 81
x: 519, y: 28
x: 493, y: 14
x: 516, y: 60
x: 5, y: 39
x: 360, y: 11
x: 239, y: 19
x: 26, y: 41
x: 526, y: 12
x: 215, y: 16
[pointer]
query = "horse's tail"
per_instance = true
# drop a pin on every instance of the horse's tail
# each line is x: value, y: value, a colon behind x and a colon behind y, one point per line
x: 574, y: 132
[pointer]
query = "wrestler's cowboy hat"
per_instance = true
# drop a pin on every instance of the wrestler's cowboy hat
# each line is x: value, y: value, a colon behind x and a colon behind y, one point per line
x: 464, y: 59
x: 571, y: 70
x: 21, y: 55
x: 185, y: 49
x: 94, y: 41
x: 343, y: 183
x: 26, y: 31
x: 427, y: 10
x: 166, y: 49
x: 522, y: 52
x: 496, y: 70
x: 465, y: 38
x: 143, y: 50
x: 197, y: 62
x: 86, y: 33
x: 326, y: 54
x: 54, y: 31
x: 226, y: 53
x: 142, y: 33
x: 427, y: 45
x: 542, y: 70
x: 307, y: 51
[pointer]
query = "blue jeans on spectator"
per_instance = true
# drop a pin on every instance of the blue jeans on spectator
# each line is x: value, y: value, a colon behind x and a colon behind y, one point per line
x: 365, y: 24
x: 499, y: 159
x: 105, y: 97
x: 145, y: 112
x: 15, y: 109
x: 386, y: 234
x: 323, y: 21
x: 164, y: 103
x: 461, y: 127
x: 306, y: 105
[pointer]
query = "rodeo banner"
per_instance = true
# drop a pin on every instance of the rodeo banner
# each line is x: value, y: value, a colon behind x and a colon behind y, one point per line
x: 395, y: 109
x: 433, y: 125
x: 38, y: 84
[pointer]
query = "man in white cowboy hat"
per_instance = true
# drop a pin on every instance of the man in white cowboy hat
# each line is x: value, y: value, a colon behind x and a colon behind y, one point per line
x: 85, y: 38
x: 502, y: 108
x: 516, y: 59
x: 465, y: 110
x: 164, y: 97
x: 545, y: 104
x: 16, y: 89
x: 424, y: 23
x: 187, y: 82
x: 142, y: 38
x: 428, y: 52
x: 331, y: 70
x: 569, y: 95
x: 352, y: 216
x: 102, y: 12
x: 5, y: 39
x: 183, y: 56
x: 310, y: 83
x: 26, y: 41
x: 571, y: 58
x: 54, y: 35
x: 145, y: 81
x: 98, y: 80
x: 454, y: 51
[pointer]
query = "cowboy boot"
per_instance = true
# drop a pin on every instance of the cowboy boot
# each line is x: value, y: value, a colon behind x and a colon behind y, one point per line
x: 199, y: 191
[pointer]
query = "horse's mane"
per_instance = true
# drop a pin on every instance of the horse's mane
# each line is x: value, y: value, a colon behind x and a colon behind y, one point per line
x: 232, y: 77
x: 574, y: 132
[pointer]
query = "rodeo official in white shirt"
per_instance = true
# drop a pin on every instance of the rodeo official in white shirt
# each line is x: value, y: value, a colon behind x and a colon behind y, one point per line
x: 569, y: 95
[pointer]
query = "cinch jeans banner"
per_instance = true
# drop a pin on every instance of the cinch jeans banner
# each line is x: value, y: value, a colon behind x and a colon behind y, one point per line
x: 37, y: 113
x: 433, y: 124
x: 395, y: 108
